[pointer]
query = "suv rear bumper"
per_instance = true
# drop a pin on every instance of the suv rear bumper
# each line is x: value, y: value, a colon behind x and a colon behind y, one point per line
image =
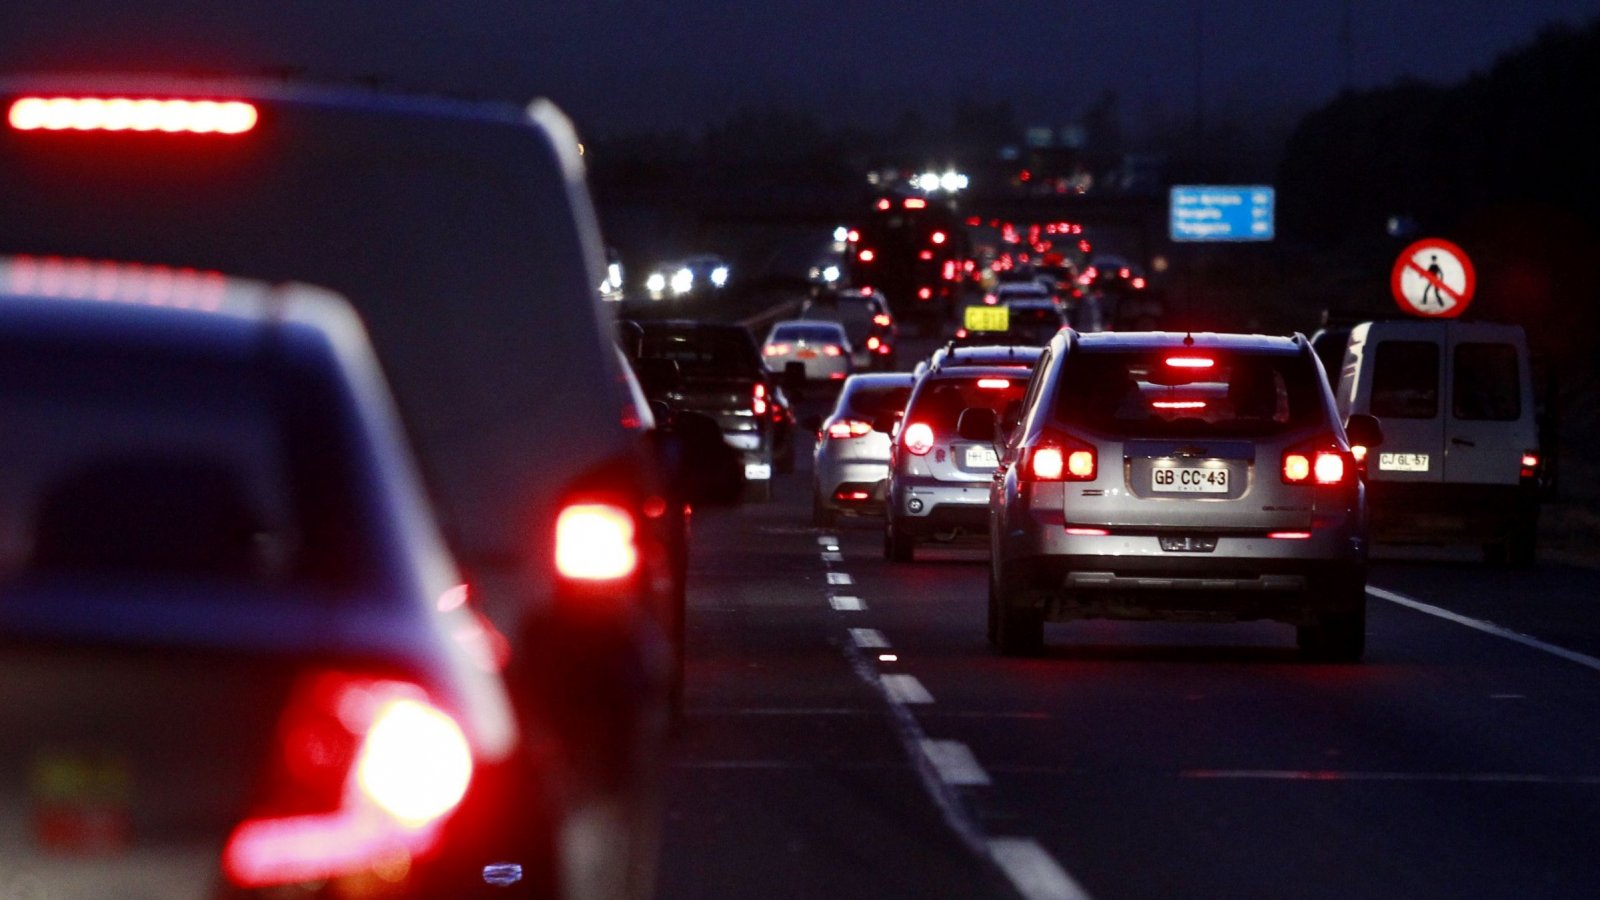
x: 927, y: 506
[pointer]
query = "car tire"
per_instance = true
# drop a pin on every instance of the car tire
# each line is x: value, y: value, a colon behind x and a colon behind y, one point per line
x: 1019, y: 624
x: 1335, y: 637
x: 897, y: 545
x: 822, y: 515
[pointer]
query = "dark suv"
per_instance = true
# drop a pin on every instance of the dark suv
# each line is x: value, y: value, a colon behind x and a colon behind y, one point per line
x: 715, y: 369
x: 1165, y: 476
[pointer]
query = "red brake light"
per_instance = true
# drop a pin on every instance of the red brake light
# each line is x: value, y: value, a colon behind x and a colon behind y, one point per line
x: 916, y: 203
x: 777, y: 349
x: 1190, y: 362
x: 873, y: 343
x: 1324, y: 467
x: 924, y: 293
x: 758, y: 399
x: 994, y: 384
x: 882, y: 319
x: 366, y: 770
x: 832, y: 350
x: 849, y: 428
x: 1178, y: 404
x: 1530, y: 464
x: 938, y: 237
x: 1290, y: 535
x: 867, y: 255
x: 1059, y: 458
x: 131, y: 114
x: 883, y: 205
x: 596, y: 542
x: 918, y: 438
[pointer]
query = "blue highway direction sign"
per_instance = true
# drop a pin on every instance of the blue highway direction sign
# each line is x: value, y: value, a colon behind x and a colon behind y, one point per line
x: 1203, y: 212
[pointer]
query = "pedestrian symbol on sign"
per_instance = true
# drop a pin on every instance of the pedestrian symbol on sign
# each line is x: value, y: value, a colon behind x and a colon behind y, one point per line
x: 1433, y: 278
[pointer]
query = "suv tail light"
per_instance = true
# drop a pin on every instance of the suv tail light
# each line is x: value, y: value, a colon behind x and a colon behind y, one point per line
x: 758, y: 399
x: 918, y: 438
x: 849, y: 428
x: 1059, y: 458
x: 1322, y: 466
x: 364, y: 773
x: 596, y: 542
x: 1530, y: 464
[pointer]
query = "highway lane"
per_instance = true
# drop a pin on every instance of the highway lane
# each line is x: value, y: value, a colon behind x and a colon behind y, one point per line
x: 1131, y: 760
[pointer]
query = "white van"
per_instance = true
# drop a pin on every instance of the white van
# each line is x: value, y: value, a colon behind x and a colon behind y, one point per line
x: 1460, y: 457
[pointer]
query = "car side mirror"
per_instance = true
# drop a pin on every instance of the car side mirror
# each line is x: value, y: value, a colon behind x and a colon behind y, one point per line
x: 661, y: 412
x: 1364, y: 430
x: 885, y: 421
x: 978, y: 424
x: 700, y: 465
x: 659, y: 376
x: 1012, y: 417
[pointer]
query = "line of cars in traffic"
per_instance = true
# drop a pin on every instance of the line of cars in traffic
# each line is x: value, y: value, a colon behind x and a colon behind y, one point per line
x: 1154, y: 475
x: 339, y: 555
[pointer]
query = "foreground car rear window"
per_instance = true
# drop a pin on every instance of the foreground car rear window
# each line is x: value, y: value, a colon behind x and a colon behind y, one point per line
x: 132, y: 464
x: 1139, y: 394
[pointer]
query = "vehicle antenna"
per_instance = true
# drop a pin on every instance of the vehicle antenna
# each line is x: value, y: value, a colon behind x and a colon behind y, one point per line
x: 1188, y: 339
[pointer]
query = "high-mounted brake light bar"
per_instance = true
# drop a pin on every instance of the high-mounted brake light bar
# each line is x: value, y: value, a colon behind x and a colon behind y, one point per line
x: 138, y: 114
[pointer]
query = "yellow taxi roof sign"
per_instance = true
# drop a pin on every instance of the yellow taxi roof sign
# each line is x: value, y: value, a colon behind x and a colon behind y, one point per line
x: 987, y: 318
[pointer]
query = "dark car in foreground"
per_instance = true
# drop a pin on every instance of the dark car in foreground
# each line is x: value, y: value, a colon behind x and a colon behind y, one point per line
x: 1172, y: 476
x: 236, y: 657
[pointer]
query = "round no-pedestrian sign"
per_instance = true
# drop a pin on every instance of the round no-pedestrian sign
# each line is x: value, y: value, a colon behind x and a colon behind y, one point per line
x: 1433, y: 278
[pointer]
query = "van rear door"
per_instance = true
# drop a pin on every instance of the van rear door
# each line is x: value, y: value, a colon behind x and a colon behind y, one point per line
x: 1402, y: 363
x: 1488, y: 420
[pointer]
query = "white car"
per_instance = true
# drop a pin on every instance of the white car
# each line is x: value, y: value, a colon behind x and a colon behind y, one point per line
x: 821, y: 347
x: 851, y: 462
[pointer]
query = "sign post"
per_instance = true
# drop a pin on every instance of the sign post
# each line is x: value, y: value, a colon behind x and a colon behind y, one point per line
x: 1433, y: 278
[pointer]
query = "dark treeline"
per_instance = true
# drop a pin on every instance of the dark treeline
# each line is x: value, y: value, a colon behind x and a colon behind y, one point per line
x: 1503, y: 163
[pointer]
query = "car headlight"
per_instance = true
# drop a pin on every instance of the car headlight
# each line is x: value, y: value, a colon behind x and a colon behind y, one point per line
x: 656, y: 283
x: 682, y: 281
x: 719, y: 276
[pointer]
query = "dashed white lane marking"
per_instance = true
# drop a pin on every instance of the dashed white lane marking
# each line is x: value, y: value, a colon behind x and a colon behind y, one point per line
x: 869, y: 638
x: 1445, y: 777
x: 828, y: 540
x: 1573, y: 656
x: 954, y: 762
x: 1033, y: 872
x: 840, y: 578
x: 832, y: 556
x: 847, y: 604
x: 905, y: 689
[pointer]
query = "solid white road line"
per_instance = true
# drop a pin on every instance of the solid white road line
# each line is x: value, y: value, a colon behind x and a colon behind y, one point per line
x: 1032, y: 871
x: 869, y: 638
x: 1573, y: 656
x: 1333, y: 775
x: 847, y: 604
x: 905, y: 689
x: 840, y: 578
x: 954, y: 762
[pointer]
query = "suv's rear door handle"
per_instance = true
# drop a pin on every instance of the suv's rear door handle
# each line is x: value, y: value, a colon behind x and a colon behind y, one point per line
x: 1463, y: 442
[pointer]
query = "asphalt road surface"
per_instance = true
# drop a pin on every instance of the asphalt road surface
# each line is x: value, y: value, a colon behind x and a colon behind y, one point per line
x: 850, y: 734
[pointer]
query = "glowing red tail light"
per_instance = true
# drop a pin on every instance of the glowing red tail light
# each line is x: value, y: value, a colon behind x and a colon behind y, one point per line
x: 918, y: 438
x: 832, y: 350
x: 867, y: 255
x: 365, y: 772
x: 916, y: 203
x: 596, y: 542
x: 1322, y: 467
x: 776, y: 349
x: 882, y: 319
x: 1530, y: 463
x: 758, y: 399
x: 994, y: 384
x: 924, y: 293
x: 938, y: 237
x: 849, y: 428
x: 142, y: 114
x: 1190, y: 362
x: 1059, y: 458
x: 873, y: 343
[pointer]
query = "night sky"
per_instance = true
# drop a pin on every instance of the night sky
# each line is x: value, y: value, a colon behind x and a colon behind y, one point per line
x: 626, y: 65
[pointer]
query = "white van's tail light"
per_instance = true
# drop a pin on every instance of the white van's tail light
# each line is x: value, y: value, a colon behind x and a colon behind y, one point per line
x: 1530, y: 463
x: 132, y: 114
x: 596, y: 542
x: 365, y: 772
x: 918, y: 438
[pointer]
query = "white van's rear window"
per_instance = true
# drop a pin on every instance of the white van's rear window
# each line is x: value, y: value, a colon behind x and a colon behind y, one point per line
x: 1405, y: 380
x: 1485, y: 385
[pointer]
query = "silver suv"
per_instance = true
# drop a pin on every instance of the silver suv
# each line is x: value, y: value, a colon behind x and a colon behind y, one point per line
x: 939, y: 481
x: 1165, y: 476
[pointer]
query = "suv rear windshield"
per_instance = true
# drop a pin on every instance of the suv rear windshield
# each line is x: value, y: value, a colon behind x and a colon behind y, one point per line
x: 871, y: 402
x: 703, y: 352
x: 1174, y: 392
x: 811, y: 334
x: 138, y: 463
x: 940, y: 400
